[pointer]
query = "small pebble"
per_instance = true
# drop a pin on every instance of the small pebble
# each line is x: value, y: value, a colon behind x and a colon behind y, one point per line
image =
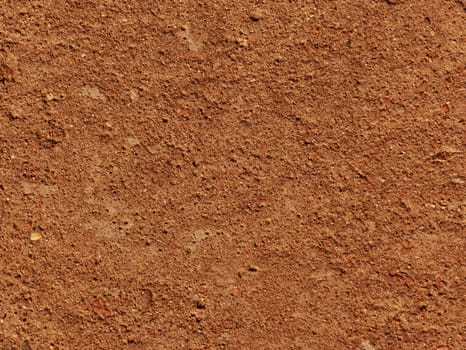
x: 365, y: 345
x: 35, y: 236
x: 256, y: 16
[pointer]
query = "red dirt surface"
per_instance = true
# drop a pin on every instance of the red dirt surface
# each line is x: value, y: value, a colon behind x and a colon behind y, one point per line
x: 232, y: 174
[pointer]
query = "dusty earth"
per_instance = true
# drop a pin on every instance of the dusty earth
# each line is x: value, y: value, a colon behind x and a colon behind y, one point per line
x: 232, y: 174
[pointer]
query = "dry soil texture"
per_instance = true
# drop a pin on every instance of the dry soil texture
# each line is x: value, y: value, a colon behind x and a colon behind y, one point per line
x: 232, y: 174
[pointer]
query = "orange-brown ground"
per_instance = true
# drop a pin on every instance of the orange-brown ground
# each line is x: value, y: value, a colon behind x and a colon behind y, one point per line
x: 232, y: 174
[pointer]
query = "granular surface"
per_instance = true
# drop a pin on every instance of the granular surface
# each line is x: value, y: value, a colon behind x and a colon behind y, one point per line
x: 232, y: 174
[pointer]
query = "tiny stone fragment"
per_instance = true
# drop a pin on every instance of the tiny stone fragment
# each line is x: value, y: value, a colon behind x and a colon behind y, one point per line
x: 365, y: 345
x: 35, y: 236
x: 256, y: 16
x: 242, y: 42
x: 93, y: 92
